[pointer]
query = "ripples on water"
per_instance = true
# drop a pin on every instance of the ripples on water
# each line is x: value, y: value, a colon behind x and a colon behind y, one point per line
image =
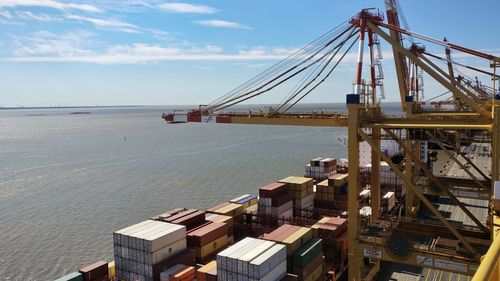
x: 67, y: 181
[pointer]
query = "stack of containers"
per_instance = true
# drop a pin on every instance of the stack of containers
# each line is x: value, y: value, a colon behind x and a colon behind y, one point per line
x: 333, y: 231
x: 388, y: 178
x: 388, y: 202
x: 308, y: 260
x: 275, y: 201
x: 302, y: 193
x: 340, y: 184
x: 324, y: 194
x: 97, y: 271
x: 291, y: 236
x: 207, y: 272
x: 252, y: 259
x: 321, y: 168
x: 222, y: 219
x: 190, y: 218
x: 139, y: 247
x: 207, y: 240
x: 178, y: 272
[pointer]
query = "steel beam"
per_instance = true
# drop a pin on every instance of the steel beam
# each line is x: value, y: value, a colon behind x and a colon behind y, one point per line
x: 397, y: 46
x: 354, y: 258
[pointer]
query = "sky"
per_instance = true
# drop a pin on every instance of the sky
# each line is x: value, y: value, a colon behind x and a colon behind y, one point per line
x: 149, y: 52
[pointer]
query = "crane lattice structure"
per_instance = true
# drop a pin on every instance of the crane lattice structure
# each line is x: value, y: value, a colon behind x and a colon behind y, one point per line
x: 468, y: 112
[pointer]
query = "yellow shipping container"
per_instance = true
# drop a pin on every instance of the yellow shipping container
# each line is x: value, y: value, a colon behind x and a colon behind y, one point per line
x: 201, y: 273
x: 220, y: 219
x: 340, y: 180
x: 211, y: 247
x: 111, y: 270
x: 295, y: 240
x: 231, y: 209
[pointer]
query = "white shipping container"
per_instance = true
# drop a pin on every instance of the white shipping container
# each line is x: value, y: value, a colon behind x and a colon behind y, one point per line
x: 252, y: 254
x: 264, y: 263
x: 277, y: 273
x: 223, y: 255
x: 232, y: 259
x: 164, y: 238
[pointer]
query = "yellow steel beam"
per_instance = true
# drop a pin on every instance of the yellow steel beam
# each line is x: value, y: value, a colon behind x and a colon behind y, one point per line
x: 354, y: 226
x: 422, y: 198
x: 396, y: 45
x: 430, y: 125
x: 296, y: 121
x: 489, y: 269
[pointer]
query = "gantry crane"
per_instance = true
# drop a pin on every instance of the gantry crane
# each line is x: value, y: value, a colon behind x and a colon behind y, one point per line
x: 468, y: 112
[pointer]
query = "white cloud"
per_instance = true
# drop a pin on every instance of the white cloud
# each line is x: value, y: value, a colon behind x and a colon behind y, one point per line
x: 221, y: 23
x: 106, y: 23
x: 27, y: 15
x: 187, y: 8
x: 142, y: 53
x: 6, y: 14
x: 50, y: 4
x: 45, y: 43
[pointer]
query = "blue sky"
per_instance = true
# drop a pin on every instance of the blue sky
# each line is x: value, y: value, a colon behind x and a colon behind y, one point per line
x: 140, y: 52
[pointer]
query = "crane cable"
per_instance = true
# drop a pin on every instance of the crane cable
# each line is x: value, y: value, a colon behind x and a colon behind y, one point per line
x: 297, y: 55
x: 296, y: 93
x: 324, y: 78
x: 259, y: 90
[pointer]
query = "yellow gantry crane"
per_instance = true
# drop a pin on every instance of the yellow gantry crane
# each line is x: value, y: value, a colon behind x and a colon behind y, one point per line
x: 466, y: 114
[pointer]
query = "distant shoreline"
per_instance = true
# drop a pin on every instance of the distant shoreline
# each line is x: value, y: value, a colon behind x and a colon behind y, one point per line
x: 72, y: 107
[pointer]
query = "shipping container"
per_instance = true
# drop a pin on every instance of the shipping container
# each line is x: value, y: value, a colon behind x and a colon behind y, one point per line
x: 202, y: 274
x: 95, y: 271
x: 204, y: 235
x: 307, y: 252
x: 74, y: 276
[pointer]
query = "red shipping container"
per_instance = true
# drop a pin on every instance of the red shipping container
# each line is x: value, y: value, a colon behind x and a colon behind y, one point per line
x: 95, y: 271
x: 272, y: 189
x: 204, y: 235
x: 281, y: 199
x: 180, y: 215
x: 222, y: 119
x: 192, y: 219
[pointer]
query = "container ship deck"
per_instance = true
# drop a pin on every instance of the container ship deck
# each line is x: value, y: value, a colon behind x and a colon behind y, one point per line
x: 292, y: 229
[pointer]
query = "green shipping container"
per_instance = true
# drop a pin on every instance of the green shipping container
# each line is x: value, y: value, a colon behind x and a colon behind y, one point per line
x: 74, y: 276
x: 307, y: 252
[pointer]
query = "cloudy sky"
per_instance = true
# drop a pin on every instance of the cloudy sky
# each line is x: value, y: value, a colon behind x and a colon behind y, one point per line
x: 148, y: 52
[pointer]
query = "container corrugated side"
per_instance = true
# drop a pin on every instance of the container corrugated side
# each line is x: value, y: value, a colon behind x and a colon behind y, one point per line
x: 277, y: 273
x: 188, y: 274
x: 244, y: 260
x: 232, y: 265
x: 264, y: 263
x: 168, y: 251
x: 307, y: 252
x: 160, y: 240
x: 223, y: 255
x: 210, y: 248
